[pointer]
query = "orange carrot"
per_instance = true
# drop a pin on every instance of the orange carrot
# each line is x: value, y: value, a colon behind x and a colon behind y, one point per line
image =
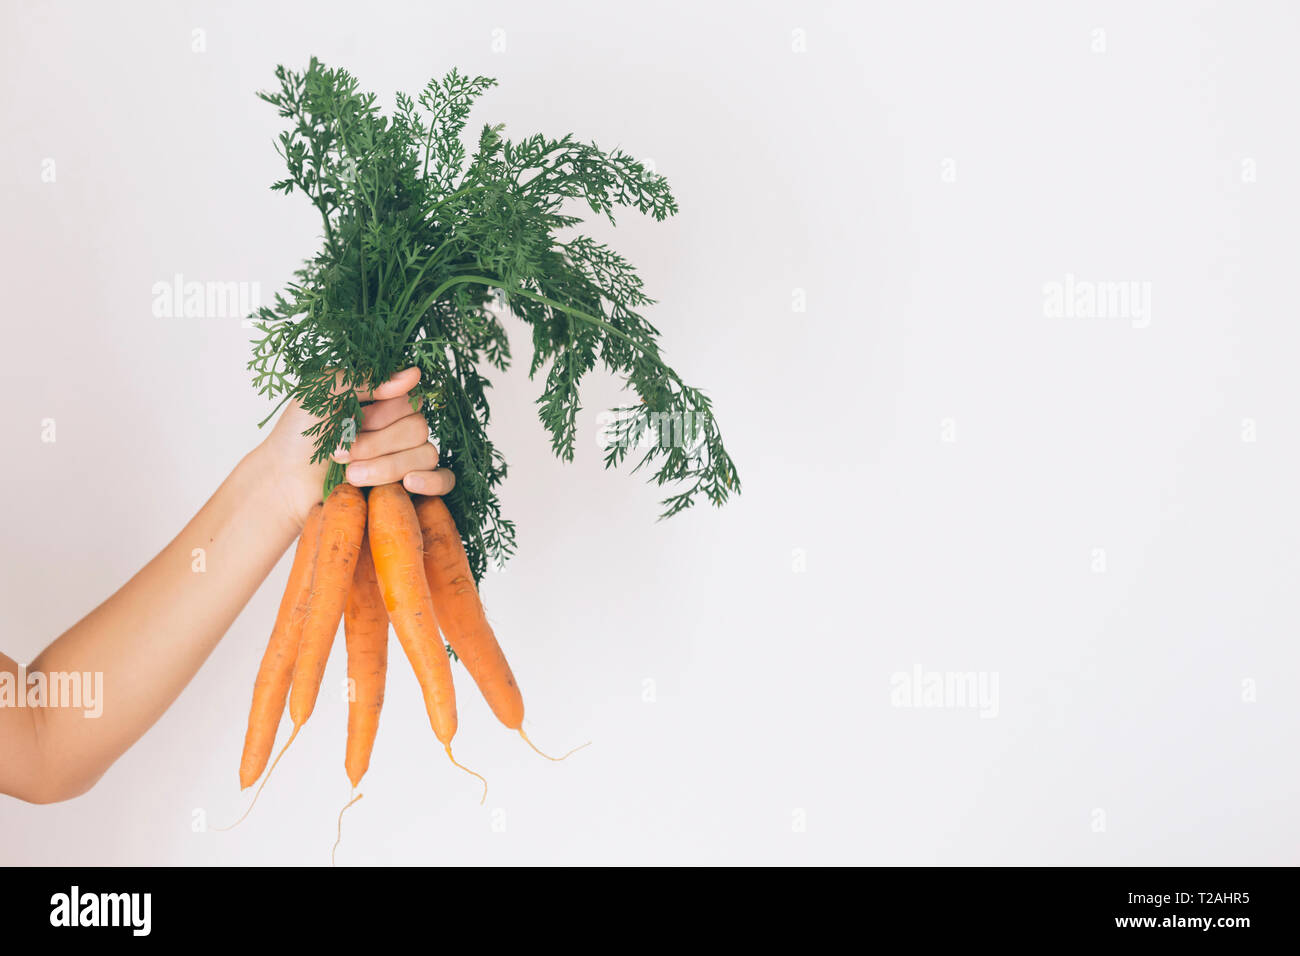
x: 395, y: 545
x: 343, y: 524
x: 460, y: 612
x: 273, y: 677
x: 365, y: 624
x: 463, y: 620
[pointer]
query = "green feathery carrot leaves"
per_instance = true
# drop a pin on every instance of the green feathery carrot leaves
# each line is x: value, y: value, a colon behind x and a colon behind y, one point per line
x: 426, y: 249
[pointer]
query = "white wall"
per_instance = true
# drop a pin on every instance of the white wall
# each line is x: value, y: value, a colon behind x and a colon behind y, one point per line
x: 826, y: 171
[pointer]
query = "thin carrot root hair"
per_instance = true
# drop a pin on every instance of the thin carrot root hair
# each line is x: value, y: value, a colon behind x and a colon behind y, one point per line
x: 548, y: 756
x: 262, y: 785
x: 339, y: 839
x: 467, y: 770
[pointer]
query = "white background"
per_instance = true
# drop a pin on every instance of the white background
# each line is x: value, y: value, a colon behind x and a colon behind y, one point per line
x: 1126, y: 731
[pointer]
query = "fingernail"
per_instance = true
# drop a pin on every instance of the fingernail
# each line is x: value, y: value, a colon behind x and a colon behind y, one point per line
x: 341, y: 454
x: 357, y: 474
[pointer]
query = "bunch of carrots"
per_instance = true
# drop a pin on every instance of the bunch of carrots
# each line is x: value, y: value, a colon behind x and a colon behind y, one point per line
x: 368, y: 560
x: 423, y: 239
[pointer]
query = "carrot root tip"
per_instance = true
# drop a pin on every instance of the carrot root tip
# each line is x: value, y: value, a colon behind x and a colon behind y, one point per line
x: 483, y: 800
x: 265, y: 781
x: 339, y: 838
x: 548, y: 756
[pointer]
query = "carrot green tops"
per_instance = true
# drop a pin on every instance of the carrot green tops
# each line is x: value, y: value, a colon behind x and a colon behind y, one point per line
x: 426, y: 249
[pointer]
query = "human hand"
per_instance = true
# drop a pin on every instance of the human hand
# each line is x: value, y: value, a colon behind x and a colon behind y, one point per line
x: 392, y: 444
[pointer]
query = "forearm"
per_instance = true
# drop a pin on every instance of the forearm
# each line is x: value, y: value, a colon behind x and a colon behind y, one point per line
x: 147, y: 641
x: 150, y: 638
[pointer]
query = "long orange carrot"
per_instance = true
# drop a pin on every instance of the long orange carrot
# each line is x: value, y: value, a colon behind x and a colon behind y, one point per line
x: 365, y: 624
x: 343, y: 524
x: 460, y: 612
x: 273, y: 677
x: 395, y: 545
x: 463, y: 620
